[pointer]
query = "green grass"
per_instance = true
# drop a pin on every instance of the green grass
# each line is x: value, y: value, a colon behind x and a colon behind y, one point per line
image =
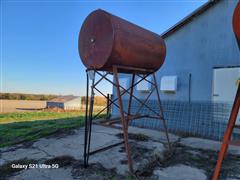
x: 32, y: 116
x: 17, y: 128
x: 19, y: 132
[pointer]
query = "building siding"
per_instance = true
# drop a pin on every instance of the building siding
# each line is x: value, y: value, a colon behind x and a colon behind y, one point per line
x: 55, y: 104
x: 74, y: 104
x: 197, y: 48
x: 206, y: 42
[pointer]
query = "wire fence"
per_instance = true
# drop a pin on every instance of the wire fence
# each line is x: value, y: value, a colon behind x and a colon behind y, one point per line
x: 201, y: 119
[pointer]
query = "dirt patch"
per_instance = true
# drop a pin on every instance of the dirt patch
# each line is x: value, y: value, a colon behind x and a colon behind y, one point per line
x: 95, y: 172
x: 62, y: 161
x: 202, y: 159
x: 144, y: 159
x: 147, y: 171
x: 136, y: 137
x: 138, y: 152
x: 61, y: 133
x: 7, y: 170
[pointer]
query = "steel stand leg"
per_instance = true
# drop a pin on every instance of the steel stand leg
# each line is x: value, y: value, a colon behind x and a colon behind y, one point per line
x: 161, y: 111
x: 90, y: 115
x: 123, y: 120
x: 130, y: 99
x: 228, y: 133
x: 88, y: 122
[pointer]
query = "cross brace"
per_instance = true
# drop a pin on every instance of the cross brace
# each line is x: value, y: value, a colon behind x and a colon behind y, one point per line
x: 125, y: 115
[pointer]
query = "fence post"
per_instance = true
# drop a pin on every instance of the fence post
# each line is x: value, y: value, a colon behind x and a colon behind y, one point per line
x: 108, y: 107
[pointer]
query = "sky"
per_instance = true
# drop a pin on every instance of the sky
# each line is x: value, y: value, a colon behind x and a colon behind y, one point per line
x: 39, y: 39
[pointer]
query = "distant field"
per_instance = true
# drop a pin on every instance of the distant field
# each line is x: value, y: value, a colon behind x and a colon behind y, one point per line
x: 20, y: 105
x: 11, y: 106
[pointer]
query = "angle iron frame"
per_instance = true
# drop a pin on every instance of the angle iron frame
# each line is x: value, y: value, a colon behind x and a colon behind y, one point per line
x: 125, y: 116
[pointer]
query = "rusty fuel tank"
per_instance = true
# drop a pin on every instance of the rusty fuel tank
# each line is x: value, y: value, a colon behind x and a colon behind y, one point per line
x: 106, y: 40
x: 236, y: 22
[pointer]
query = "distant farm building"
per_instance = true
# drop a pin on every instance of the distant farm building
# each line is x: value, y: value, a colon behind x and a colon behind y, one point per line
x: 65, y: 102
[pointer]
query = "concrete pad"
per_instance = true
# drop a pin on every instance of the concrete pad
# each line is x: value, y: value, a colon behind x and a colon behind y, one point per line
x: 73, y: 145
x: 111, y: 159
x: 40, y: 174
x: 180, y: 172
x: 11, y: 148
x: 2, y: 162
x: 206, y: 144
x: 156, y: 135
x: 157, y: 148
x: 29, y: 153
x: 104, y: 129
x: 115, y: 158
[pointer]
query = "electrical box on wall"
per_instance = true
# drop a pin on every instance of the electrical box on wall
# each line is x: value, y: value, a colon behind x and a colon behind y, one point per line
x: 168, y: 83
x: 144, y: 86
x: 124, y: 82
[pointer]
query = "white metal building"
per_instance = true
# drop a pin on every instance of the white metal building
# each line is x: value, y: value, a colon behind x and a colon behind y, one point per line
x: 199, y: 78
x: 65, y: 102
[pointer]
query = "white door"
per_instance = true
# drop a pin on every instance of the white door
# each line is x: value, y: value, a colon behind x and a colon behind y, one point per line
x: 225, y: 84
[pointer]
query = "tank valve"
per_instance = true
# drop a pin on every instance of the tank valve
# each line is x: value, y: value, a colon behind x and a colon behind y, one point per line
x: 92, y: 40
